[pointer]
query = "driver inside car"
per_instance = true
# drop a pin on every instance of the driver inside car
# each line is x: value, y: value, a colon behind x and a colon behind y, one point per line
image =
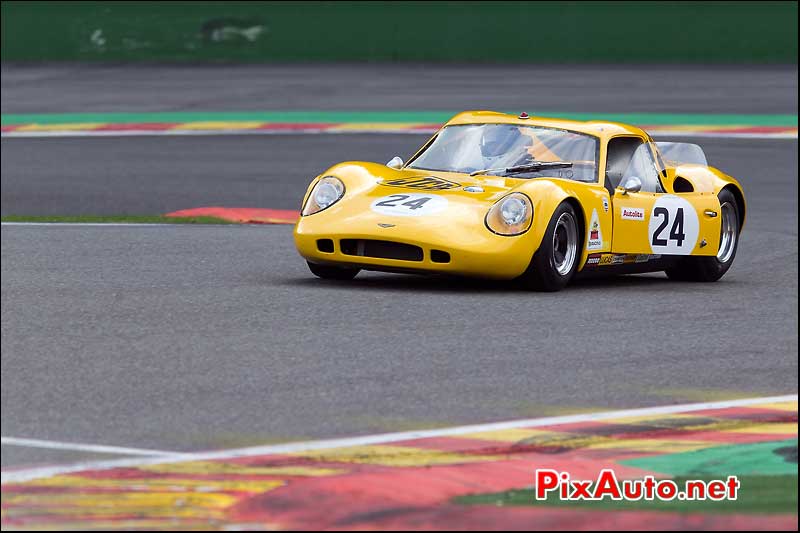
x: 504, y: 146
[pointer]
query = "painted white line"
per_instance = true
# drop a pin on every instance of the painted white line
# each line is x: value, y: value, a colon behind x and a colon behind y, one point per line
x: 191, y: 133
x: 19, y: 476
x: 79, y: 447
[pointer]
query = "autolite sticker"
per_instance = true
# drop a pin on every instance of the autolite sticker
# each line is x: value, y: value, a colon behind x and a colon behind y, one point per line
x: 633, y: 213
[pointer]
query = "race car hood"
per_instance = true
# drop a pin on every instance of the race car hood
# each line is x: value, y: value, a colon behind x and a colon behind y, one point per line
x: 418, y: 202
x: 373, y: 179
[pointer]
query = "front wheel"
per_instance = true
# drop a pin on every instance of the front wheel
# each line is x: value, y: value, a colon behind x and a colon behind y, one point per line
x: 713, y: 268
x: 556, y: 260
x: 332, y: 272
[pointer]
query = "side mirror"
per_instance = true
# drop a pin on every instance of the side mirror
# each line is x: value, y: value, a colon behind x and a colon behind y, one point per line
x: 632, y: 184
x: 396, y: 162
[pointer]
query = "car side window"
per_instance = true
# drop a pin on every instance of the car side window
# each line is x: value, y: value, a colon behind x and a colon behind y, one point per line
x: 643, y: 166
x: 618, y: 157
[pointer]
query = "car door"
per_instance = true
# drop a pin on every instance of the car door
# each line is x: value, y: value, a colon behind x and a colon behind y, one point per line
x: 646, y: 220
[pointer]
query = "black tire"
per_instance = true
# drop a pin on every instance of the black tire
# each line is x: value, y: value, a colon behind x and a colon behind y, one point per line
x: 708, y: 269
x: 546, y: 272
x: 332, y: 272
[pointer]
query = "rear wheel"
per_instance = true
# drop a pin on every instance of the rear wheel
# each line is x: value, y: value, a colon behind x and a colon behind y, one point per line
x: 556, y: 260
x: 332, y: 272
x: 713, y: 268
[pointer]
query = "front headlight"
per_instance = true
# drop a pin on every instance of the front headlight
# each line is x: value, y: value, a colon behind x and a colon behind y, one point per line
x: 325, y: 193
x: 511, y: 215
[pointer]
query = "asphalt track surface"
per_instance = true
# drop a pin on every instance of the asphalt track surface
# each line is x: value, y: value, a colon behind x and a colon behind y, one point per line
x: 156, y: 175
x: 589, y: 88
x: 190, y: 338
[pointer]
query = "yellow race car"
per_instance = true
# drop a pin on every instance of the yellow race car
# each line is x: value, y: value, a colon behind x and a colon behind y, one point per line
x: 532, y: 199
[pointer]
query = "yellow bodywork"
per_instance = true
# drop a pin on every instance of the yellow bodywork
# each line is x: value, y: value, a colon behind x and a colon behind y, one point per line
x: 460, y: 230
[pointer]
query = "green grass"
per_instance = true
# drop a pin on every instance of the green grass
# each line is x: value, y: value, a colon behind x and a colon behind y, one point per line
x: 757, y: 495
x: 759, y: 458
x: 115, y: 219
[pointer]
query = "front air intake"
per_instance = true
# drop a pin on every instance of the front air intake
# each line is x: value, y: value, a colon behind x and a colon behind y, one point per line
x: 438, y: 256
x: 325, y: 245
x: 381, y: 249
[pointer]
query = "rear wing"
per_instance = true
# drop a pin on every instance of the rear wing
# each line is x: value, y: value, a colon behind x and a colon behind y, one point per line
x: 682, y: 153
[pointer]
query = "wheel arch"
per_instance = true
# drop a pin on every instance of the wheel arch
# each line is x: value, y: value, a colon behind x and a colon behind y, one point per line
x: 576, y: 205
x: 738, y: 194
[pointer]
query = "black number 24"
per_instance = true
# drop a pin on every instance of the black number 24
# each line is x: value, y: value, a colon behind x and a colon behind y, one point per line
x: 675, y: 233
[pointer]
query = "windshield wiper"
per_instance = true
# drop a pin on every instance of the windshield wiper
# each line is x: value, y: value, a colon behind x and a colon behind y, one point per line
x: 529, y: 167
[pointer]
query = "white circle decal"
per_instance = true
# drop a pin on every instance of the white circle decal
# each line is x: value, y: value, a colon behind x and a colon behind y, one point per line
x: 409, y: 205
x: 674, y: 226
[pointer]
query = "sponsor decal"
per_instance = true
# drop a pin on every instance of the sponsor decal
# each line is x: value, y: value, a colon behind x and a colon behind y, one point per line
x: 409, y: 205
x: 428, y: 183
x: 633, y: 213
x: 619, y: 259
x: 644, y: 258
x: 595, y: 241
x: 605, y: 204
x: 606, y: 259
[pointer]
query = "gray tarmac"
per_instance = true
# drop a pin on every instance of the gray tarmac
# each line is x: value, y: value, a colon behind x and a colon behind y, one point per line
x: 379, y: 87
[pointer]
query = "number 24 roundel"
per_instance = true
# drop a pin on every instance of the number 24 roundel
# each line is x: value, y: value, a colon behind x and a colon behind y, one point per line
x: 674, y: 226
x: 409, y: 205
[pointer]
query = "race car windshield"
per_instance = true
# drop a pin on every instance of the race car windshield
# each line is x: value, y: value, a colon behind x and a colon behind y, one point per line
x: 475, y: 148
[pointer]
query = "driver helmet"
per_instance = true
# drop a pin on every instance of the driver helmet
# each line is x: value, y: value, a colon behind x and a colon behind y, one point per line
x: 498, y: 139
